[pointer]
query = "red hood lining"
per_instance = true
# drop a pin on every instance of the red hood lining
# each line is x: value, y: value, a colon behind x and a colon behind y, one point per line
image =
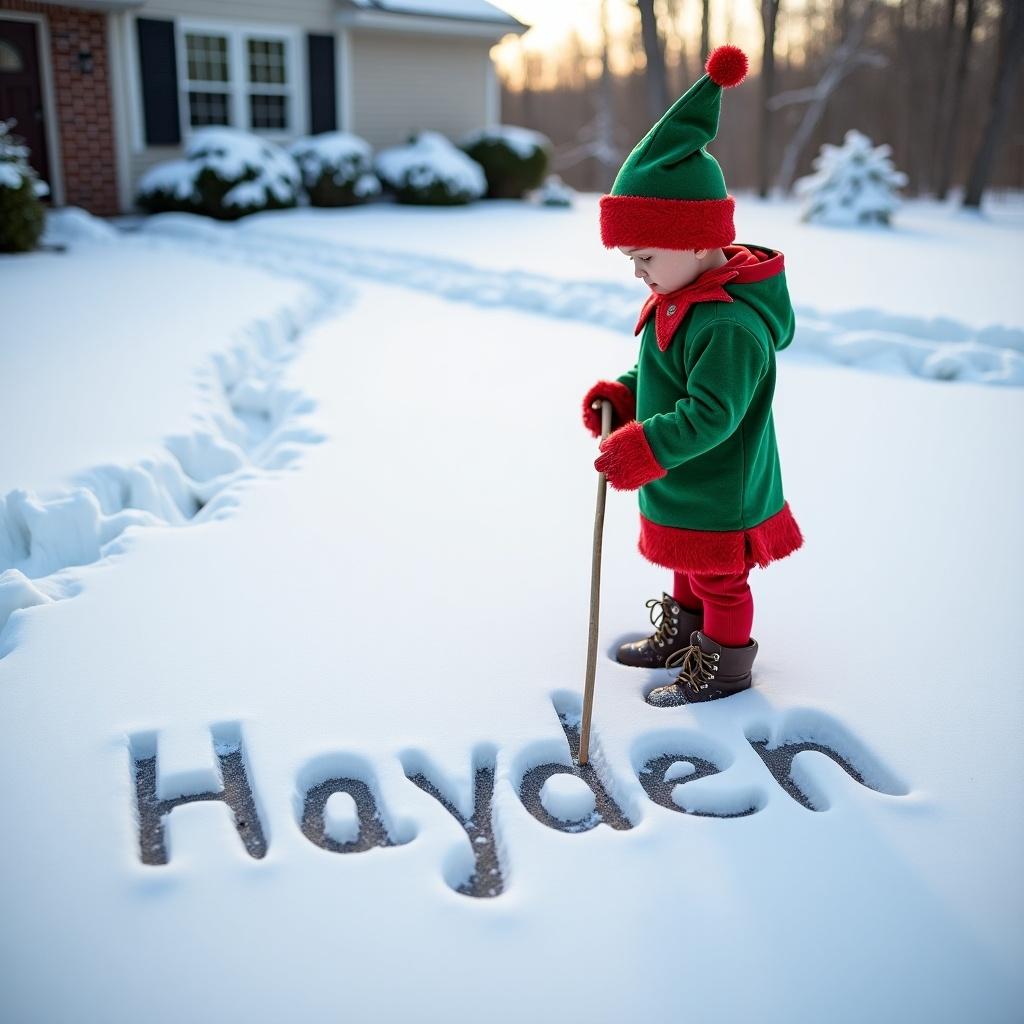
x: 744, y: 265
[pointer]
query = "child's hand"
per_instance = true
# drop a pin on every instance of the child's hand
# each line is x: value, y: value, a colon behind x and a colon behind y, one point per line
x: 626, y: 458
x: 623, y: 405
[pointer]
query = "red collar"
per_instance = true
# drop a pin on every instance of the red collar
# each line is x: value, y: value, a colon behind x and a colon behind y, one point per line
x: 743, y: 266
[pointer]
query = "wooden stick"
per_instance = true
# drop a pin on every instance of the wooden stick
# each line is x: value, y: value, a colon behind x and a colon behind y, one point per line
x: 595, y: 596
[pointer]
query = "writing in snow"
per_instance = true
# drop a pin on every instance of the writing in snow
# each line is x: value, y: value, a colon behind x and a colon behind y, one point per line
x: 339, y: 806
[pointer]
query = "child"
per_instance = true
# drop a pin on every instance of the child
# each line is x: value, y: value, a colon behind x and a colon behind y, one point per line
x: 692, y: 422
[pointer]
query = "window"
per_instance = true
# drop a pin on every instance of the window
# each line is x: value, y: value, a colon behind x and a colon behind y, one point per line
x: 268, y: 104
x: 10, y: 57
x: 209, y: 88
x: 243, y: 77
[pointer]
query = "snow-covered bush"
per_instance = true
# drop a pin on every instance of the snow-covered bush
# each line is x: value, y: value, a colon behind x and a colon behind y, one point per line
x: 555, y: 192
x: 854, y: 183
x: 226, y: 173
x: 21, y: 213
x: 513, y: 158
x: 337, y: 168
x: 429, y: 169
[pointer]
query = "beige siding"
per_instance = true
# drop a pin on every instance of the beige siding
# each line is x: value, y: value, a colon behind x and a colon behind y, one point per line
x: 399, y: 82
x: 402, y: 83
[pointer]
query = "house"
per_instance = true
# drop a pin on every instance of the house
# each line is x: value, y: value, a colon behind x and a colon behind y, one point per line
x: 104, y: 89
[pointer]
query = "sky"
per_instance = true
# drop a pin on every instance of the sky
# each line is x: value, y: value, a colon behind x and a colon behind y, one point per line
x: 551, y: 24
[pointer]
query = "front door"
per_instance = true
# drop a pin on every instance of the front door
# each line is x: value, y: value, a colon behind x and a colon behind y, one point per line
x: 21, y: 94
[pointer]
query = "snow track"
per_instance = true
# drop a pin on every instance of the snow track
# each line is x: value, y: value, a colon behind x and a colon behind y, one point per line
x: 254, y: 423
x: 938, y: 348
x: 250, y: 423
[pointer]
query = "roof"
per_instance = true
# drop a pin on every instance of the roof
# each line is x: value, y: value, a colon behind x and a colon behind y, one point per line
x: 467, y: 10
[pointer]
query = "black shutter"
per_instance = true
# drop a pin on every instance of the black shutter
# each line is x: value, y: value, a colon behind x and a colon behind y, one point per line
x: 159, y: 81
x: 322, y: 113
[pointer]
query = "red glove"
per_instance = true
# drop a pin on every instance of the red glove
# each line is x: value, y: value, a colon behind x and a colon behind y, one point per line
x: 623, y: 405
x: 626, y: 458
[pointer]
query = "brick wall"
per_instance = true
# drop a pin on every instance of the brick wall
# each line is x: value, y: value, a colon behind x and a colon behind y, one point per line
x: 84, y: 113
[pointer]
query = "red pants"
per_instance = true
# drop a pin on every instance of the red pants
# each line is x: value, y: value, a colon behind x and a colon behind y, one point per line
x: 726, y: 601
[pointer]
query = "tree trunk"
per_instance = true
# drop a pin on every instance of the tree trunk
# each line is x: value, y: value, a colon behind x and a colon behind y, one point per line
x: 769, y: 18
x: 604, y: 128
x: 944, y: 82
x: 657, y: 81
x: 948, y: 131
x: 705, y: 31
x: 1011, y: 49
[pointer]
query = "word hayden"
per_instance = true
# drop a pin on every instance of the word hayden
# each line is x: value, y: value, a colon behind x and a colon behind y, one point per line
x: 686, y: 760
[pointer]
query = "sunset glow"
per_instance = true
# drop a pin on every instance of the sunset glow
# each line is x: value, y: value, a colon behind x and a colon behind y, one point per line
x: 552, y: 25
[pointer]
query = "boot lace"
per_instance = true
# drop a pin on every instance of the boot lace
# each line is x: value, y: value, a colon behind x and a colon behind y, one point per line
x: 661, y: 620
x: 697, y: 667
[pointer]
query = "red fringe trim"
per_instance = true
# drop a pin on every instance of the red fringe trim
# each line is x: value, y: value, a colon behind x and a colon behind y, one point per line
x: 623, y: 404
x: 666, y: 223
x: 626, y: 458
x: 720, y: 551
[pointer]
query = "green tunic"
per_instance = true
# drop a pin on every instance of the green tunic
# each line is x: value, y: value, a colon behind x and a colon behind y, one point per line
x: 705, y: 403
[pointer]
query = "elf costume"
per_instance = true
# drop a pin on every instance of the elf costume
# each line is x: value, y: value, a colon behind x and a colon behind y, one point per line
x: 694, y: 430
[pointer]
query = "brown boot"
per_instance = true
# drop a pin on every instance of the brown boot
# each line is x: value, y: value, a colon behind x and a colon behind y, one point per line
x: 708, y: 671
x: 674, y: 623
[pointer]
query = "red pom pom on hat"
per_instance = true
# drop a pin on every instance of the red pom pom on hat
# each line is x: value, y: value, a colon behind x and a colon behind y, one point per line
x: 726, y: 66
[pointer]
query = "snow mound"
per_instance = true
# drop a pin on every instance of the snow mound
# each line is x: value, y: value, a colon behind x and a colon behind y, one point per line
x: 555, y: 192
x: 567, y: 797
x: 18, y: 591
x: 679, y: 770
x: 71, y: 224
x: 341, y: 818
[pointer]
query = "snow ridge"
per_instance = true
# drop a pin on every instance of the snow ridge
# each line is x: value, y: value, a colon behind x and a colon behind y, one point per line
x: 251, y: 423
x: 933, y: 348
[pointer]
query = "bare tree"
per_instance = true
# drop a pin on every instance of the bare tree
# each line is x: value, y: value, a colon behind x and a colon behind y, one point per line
x: 674, y: 33
x: 596, y: 138
x: 769, y: 21
x: 933, y: 102
x: 950, y: 116
x: 705, y: 31
x: 846, y: 57
x: 1011, y: 50
x: 943, y: 80
x: 657, y: 82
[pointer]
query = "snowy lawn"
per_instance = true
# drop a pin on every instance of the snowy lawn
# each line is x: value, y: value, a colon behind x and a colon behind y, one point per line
x: 372, y: 564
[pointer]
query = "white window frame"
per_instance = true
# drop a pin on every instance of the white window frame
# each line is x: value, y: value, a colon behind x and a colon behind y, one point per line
x: 238, y: 85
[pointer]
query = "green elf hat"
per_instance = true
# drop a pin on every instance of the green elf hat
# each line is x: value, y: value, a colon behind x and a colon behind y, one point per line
x: 670, y: 192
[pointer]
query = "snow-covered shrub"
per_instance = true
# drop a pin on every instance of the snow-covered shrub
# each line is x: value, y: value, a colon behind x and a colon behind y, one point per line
x: 226, y: 173
x: 555, y: 192
x: 854, y: 183
x: 21, y: 213
x: 513, y: 158
x: 337, y: 168
x: 429, y: 169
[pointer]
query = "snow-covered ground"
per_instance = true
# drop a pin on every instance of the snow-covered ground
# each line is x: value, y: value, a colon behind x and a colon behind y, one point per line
x: 358, y: 548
